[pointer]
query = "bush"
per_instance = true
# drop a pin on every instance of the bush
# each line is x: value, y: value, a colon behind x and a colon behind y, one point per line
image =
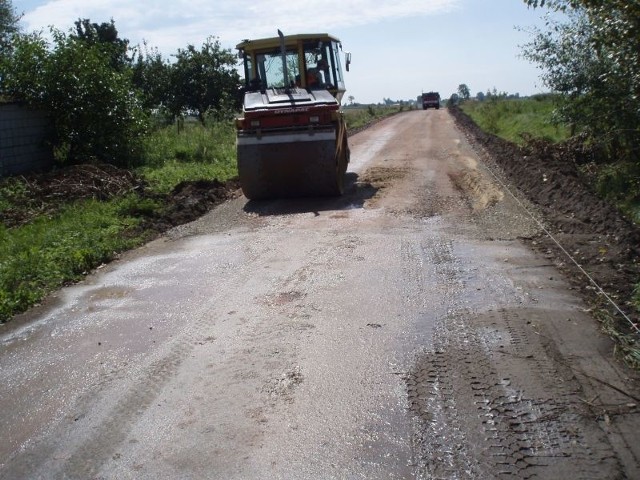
x: 620, y: 182
x: 96, y: 113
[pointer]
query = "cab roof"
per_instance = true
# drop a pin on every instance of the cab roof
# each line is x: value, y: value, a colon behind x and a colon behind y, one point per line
x: 274, y: 42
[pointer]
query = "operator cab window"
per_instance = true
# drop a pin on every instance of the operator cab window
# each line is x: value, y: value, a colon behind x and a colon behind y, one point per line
x: 270, y: 69
x: 321, y: 68
x: 320, y: 65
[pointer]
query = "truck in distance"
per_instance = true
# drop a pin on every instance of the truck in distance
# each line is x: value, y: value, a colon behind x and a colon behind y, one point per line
x: 431, y: 100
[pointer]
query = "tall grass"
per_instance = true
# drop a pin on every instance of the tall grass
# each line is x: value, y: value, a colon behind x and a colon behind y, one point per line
x: 511, y: 118
x: 191, y: 152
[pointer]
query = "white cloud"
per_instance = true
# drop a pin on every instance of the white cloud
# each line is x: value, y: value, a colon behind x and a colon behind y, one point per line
x: 454, y: 32
x: 170, y: 25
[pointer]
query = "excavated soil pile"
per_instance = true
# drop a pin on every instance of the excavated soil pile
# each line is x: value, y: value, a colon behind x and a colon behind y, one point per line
x: 46, y: 193
x: 190, y: 200
x: 593, y: 232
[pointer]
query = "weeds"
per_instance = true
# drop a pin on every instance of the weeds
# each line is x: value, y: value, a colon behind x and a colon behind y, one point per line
x: 192, y: 152
x: 13, y: 192
x: 620, y: 182
x: 626, y: 344
x: 192, y: 143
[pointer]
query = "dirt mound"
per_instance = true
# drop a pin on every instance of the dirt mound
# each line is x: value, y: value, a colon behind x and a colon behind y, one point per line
x: 600, y: 239
x: 45, y: 193
x: 190, y: 200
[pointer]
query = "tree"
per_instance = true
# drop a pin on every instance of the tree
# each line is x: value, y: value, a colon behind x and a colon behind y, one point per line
x: 104, y: 35
x: 592, y: 60
x: 463, y: 91
x: 96, y: 113
x: 614, y: 33
x: 152, y: 77
x: 23, y: 70
x: 480, y: 96
x: 8, y: 26
x: 205, y: 80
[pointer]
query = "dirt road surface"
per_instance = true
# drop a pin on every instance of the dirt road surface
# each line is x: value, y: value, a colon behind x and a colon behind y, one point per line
x: 404, y: 330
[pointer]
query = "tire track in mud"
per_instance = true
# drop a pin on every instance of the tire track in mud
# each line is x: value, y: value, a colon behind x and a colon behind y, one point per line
x: 490, y: 401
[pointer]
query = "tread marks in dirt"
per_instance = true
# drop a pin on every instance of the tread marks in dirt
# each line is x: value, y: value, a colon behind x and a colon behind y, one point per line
x: 490, y: 401
x: 510, y: 428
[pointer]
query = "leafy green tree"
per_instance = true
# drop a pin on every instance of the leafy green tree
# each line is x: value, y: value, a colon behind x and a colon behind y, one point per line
x: 22, y: 70
x: 592, y: 59
x: 205, y: 81
x: 8, y: 26
x: 104, y: 35
x: 463, y: 91
x: 615, y: 31
x: 95, y: 111
x: 152, y: 77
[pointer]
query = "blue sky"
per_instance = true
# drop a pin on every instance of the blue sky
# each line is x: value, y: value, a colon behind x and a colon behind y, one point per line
x: 399, y: 48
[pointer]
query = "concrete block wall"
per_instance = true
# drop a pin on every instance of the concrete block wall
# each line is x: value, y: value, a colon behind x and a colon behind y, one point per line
x: 23, y: 140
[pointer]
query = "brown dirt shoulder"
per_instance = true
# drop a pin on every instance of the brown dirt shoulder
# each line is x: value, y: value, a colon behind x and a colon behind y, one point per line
x: 593, y: 232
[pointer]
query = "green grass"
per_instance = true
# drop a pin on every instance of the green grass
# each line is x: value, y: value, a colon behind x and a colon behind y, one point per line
x: 194, y: 152
x: 49, y: 252
x: 52, y: 250
x: 511, y: 118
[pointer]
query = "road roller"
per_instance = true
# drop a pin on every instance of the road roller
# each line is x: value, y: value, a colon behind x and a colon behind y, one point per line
x: 291, y: 136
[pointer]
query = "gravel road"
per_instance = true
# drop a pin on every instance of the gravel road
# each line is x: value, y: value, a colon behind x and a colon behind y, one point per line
x: 404, y: 330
